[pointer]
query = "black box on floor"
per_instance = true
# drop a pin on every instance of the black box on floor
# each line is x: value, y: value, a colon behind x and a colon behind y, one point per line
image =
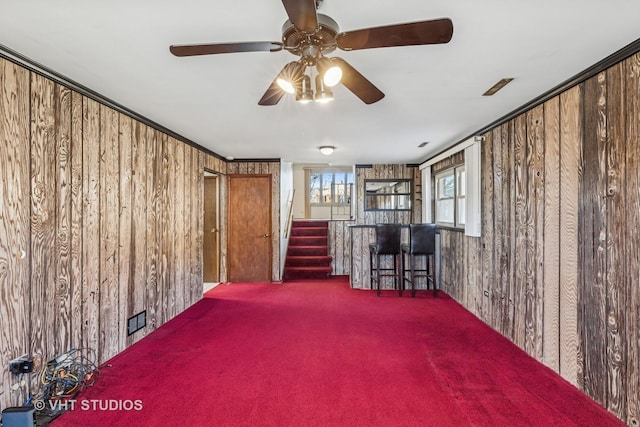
x: 18, y: 416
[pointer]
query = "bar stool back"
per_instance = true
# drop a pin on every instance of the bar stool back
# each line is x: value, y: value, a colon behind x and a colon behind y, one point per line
x: 422, y: 243
x: 387, y: 244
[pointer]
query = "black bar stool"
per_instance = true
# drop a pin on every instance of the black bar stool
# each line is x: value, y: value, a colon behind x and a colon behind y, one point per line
x: 387, y: 243
x: 422, y: 242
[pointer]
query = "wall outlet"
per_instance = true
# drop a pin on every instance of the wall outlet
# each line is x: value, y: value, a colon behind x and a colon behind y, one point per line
x: 21, y: 365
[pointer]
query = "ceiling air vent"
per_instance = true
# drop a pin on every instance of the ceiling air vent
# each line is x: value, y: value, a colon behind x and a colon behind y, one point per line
x: 496, y: 87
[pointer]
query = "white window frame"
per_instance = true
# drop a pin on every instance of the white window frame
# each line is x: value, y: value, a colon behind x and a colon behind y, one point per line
x: 473, y: 196
x: 458, y: 218
x: 349, y: 188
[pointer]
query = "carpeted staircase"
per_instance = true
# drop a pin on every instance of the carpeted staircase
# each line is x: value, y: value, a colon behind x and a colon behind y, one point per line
x: 308, y: 255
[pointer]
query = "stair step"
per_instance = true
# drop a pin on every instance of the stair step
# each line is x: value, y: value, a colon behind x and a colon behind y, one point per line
x: 308, y: 241
x: 308, y: 255
x: 306, y: 272
x: 299, y: 223
x: 309, y: 261
x: 317, y: 268
x: 307, y: 250
x: 309, y: 231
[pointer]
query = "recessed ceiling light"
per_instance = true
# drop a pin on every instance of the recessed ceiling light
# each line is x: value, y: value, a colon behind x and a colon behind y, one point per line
x: 423, y: 144
x: 496, y: 87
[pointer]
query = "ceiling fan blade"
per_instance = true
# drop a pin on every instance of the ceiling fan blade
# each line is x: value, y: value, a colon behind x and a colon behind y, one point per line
x: 416, y: 33
x: 302, y: 14
x: 357, y: 83
x: 215, y: 48
x: 273, y: 94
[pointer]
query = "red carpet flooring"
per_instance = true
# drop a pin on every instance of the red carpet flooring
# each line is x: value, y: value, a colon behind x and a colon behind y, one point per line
x: 317, y: 353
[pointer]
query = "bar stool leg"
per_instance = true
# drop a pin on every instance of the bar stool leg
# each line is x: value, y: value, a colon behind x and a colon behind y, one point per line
x: 398, y: 271
x: 370, y: 270
x: 413, y: 273
x: 434, y: 276
x: 378, y: 272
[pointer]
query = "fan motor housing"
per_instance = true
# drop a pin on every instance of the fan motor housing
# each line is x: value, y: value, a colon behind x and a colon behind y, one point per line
x: 311, y: 45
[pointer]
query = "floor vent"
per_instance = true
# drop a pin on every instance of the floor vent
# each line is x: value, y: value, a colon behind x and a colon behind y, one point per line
x: 137, y: 322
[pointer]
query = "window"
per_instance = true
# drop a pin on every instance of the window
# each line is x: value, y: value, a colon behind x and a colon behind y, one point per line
x: 329, y: 193
x: 463, y: 162
x: 450, y: 197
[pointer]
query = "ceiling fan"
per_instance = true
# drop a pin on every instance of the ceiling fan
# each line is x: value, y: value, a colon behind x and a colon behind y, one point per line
x: 311, y: 35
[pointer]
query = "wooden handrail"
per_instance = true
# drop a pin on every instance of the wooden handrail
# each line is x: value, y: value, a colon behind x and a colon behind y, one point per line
x: 289, y: 215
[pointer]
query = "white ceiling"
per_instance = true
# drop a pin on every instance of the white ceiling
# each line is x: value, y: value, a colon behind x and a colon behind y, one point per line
x: 120, y: 49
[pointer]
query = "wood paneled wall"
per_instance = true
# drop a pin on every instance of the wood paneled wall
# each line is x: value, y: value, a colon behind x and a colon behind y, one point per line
x: 388, y: 172
x: 557, y: 267
x: 100, y: 218
x: 265, y: 168
x: 340, y: 247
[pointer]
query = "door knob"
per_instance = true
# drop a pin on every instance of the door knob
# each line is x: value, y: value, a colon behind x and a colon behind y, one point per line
x: 265, y: 235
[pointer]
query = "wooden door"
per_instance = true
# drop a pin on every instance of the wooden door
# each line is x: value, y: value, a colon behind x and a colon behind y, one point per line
x: 249, y: 235
x: 211, y: 238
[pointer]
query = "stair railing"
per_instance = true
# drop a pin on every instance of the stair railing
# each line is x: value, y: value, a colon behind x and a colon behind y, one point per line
x: 287, y: 228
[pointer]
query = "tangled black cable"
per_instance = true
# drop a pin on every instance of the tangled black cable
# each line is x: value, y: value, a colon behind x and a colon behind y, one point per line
x: 64, y: 377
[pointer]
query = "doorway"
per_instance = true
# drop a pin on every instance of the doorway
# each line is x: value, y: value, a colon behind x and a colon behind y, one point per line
x: 249, y: 246
x: 211, y: 235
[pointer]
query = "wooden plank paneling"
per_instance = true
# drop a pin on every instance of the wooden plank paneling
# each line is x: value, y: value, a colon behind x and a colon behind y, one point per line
x: 496, y: 165
x: 91, y: 224
x: 274, y: 170
x: 535, y: 230
x: 63, y: 193
x: 197, y: 224
x: 508, y: 243
x: 189, y: 206
x: 632, y: 243
x: 180, y: 282
x: 169, y: 231
x: 356, y: 258
x: 488, y: 272
x: 347, y: 247
x: 43, y: 214
x: 222, y: 188
x: 15, y: 251
x: 475, y: 270
x: 445, y: 272
x: 137, y: 286
x: 570, y: 173
x: 153, y: 163
x: 76, y: 269
x: 162, y: 212
x: 551, y: 315
x: 617, y: 230
x: 109, y: 234
x: 592, y: 285
x: 521, y: 229
x: 125, y: 254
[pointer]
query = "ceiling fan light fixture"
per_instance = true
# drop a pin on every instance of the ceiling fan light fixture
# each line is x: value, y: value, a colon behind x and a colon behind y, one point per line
x: 331, y: 73
x: 290, y: 76
x: 323, y: 93
x: 327, y: 149
x: 305, y: 94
